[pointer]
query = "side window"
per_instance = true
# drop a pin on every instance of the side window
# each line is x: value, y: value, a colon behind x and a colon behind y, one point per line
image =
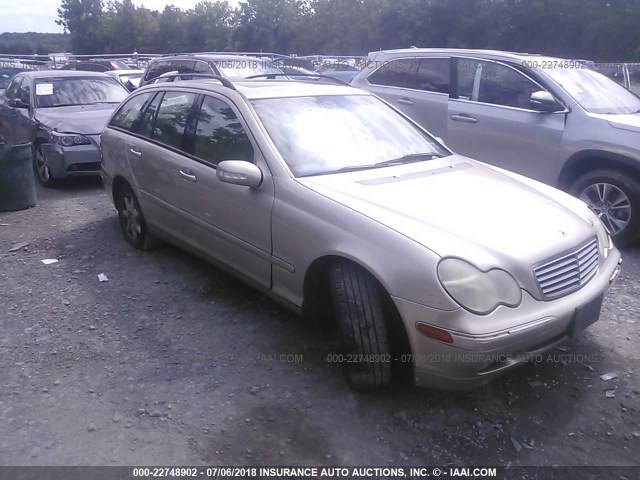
x: 219, y: 134
x: 172, y: 117
x: 395, y: 73
x: 24, y: 91
x: 12, y: 91
x: 129, y: 112
x: 494, y: 83
x: 145, y: 126
x: 433, y: 75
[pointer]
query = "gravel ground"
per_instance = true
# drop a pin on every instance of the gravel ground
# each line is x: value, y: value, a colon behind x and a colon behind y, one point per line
x: 171, y: 361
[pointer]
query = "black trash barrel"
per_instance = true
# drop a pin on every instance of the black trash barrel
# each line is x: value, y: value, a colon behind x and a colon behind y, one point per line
x: 17, y: 183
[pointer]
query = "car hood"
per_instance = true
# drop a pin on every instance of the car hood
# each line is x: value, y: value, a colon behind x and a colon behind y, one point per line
x: 458, y: 207
x: 85, y: 119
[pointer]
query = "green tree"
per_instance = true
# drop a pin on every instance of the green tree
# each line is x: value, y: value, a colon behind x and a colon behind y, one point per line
x: 83, y: 19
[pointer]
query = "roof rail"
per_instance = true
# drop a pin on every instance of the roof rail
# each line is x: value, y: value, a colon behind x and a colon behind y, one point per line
x: 304, y: 75
x: 189, y: 76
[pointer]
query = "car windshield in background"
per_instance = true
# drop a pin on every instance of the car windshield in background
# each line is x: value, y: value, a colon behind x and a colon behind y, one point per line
x: 244, y: 68
x: 595, y: 92
x: 327, y: 134
x: 61, y: 92
x: 119, y: 65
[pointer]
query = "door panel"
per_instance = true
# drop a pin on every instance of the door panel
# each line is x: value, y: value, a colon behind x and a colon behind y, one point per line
x: 230, y: 223
x: 493, y: 122
x: 156, y: 164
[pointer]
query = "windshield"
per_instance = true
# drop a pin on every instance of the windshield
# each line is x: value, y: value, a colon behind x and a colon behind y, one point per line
x: 595, y: 92
x: 245, y: 67
x: 59, y: 92
x: 325, y: 134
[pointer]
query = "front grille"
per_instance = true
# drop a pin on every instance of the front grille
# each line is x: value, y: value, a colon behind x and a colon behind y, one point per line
x: 567, y: 273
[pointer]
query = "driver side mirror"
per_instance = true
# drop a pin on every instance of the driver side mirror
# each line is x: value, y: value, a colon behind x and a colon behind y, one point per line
x: 544, y: 101
x: 239, y: 172
x: 17, y: 103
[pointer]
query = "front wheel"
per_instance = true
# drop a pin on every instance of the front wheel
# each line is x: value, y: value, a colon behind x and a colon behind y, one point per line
x: 42, y: 168
x: 357, y: 299
x: 615, y: 197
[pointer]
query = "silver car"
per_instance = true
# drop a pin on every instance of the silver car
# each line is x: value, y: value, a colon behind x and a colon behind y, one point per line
x: 344, y: 209
x: 554, y: 120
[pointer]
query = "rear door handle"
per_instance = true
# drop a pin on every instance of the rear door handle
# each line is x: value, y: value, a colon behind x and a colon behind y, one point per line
x: 135, y: 152
x: 188, y: 175
x: 405, y: 101
x: 464, y: 118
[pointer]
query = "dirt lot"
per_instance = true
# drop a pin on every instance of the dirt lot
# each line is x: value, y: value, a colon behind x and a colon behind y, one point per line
x: 171, y: 361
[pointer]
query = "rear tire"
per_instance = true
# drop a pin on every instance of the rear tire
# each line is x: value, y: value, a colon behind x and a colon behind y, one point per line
x: 359, y: 313
x: 615, y: 196
x: 132, y: 221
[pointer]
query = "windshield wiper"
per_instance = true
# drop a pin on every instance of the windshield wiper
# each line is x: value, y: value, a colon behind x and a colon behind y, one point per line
x: 409, y: 158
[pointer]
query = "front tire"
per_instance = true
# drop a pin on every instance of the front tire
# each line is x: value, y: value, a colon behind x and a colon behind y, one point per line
x: 132, y: 221
x: 42, y: 169
x: 615, y: 197
x: 357, y: 299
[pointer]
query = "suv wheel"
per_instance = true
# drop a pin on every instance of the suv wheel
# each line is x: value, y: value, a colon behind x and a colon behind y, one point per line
x: 615, y: 197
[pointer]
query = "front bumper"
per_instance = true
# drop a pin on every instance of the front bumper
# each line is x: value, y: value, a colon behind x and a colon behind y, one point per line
x: 474, y: 359
x: 79, y: 160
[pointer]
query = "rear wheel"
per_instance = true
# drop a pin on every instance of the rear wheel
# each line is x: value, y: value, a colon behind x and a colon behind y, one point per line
x: 132, y: 222
x: 357, y: 299
x: 615, y: 197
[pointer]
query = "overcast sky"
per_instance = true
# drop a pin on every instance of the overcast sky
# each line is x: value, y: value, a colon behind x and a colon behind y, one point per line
x: 41, y: 15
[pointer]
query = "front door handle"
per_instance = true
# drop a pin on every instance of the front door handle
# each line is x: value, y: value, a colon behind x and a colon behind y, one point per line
x: 464, y: 118
x: 188, y: 175
x: 405, y: 101
x: 135, y: 152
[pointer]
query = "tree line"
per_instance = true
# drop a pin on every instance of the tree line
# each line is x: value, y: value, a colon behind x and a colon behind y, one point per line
x: 603, y: 30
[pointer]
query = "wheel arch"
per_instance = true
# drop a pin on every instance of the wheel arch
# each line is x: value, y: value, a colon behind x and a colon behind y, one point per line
x: 117, y: 184
x: 317, y: 305
x: 587, y: 160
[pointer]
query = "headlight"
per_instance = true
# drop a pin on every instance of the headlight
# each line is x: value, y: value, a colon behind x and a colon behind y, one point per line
x: 477, y: 291
x: 604, y: 239
x: 69, y: 139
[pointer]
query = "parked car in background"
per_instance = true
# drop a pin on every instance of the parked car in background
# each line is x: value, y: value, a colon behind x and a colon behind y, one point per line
x: 339, y: 68
x: 554, y: 120
x: 11, y: 66
x: 129, y: 78
x: 61, y: 113
x: 298, y: 71
x: 230, y: 66
x: 97, y: 65
x: 303, y: 189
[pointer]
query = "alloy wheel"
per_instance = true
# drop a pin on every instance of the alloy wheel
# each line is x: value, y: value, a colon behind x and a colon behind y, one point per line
x: 610, y: 203
x: 131, y: 218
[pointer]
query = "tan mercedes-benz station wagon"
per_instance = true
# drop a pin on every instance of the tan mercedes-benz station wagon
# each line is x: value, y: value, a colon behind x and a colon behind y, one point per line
x: 343, y: 208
